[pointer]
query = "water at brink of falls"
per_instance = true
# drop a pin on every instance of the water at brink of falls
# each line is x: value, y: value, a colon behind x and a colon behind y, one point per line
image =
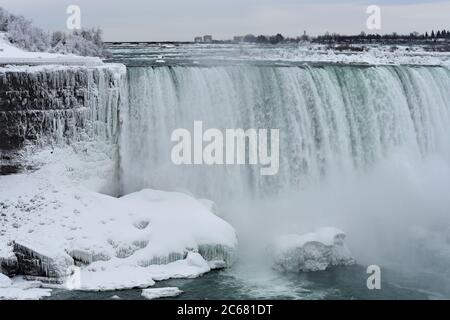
x: 362, y: 148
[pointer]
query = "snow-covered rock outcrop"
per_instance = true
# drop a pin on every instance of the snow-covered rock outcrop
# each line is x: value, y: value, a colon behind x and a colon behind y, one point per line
x: 313, y: 251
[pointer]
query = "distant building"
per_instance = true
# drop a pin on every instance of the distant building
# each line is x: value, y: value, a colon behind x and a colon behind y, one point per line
x: 198, y: 39
x: 207, y: 39
x: 238, y: 39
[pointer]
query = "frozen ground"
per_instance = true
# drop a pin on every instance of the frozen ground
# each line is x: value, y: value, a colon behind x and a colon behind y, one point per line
x: 9, y: 54
x: 22, y: 289
x: 88, y: 240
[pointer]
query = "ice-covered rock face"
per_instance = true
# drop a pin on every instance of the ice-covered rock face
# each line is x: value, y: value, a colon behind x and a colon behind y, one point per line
x: 315, y: 251
x: 57, y: 105
x: 8, y: 260
x: 34, y: 260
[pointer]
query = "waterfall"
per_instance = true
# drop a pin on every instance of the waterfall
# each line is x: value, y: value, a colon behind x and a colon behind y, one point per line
x: 333, y: 121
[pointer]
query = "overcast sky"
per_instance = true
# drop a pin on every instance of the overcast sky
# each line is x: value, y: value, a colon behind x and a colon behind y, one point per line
x: 157, y: 20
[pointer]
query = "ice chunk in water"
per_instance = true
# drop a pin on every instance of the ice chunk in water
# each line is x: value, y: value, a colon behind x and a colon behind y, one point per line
x: 155, y: 293
x: 313, y: 251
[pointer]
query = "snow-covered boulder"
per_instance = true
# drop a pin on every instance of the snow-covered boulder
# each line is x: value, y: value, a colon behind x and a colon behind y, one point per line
x: 315, y: 251
x: 211, y: 205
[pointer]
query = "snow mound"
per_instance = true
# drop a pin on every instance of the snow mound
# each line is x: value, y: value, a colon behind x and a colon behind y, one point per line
x: 5, y: 281
x: 156, y: 293
x: 58, y: 228
x: 114, y: 275
x: 20, y: 289
x: 315, y: 251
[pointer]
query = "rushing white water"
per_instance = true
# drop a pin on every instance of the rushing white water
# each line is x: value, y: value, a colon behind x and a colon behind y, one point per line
x: 365, y: 149
x: 333, y: 121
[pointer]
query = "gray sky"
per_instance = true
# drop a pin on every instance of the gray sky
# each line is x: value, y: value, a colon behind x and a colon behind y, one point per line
x: 157, y: 20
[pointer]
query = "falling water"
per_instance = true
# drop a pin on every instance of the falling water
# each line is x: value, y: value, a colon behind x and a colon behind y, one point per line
x: 333, y: 121
x: 362, y: 148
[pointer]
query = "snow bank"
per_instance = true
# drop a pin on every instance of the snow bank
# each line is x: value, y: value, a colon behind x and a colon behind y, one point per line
x: 156, y: 293
x: 117, y: 68
x: 10, y: 54
x: 5, y: 281
x: 20, y: 289
x: 313, y: 251
x: 115, y: 275
x: 59, y: 228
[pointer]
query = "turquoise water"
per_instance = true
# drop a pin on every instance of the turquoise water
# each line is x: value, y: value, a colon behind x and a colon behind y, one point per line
x: 235, y: 283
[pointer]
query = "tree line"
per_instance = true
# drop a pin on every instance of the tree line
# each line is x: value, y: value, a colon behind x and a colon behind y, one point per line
x: 335, y: 37
x: 392, y: 37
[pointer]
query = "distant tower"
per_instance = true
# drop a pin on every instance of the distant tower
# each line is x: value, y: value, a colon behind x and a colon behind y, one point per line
x: 305, y: 36
x: 198, y: 39
x: 207, y: 39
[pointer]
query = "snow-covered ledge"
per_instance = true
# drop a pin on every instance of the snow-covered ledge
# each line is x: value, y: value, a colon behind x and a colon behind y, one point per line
x: 11, y: 55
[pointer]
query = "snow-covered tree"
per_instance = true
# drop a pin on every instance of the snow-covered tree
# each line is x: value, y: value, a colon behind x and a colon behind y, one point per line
x: 4, y: 18
x: 86, y: 42
x: 24, y: 35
